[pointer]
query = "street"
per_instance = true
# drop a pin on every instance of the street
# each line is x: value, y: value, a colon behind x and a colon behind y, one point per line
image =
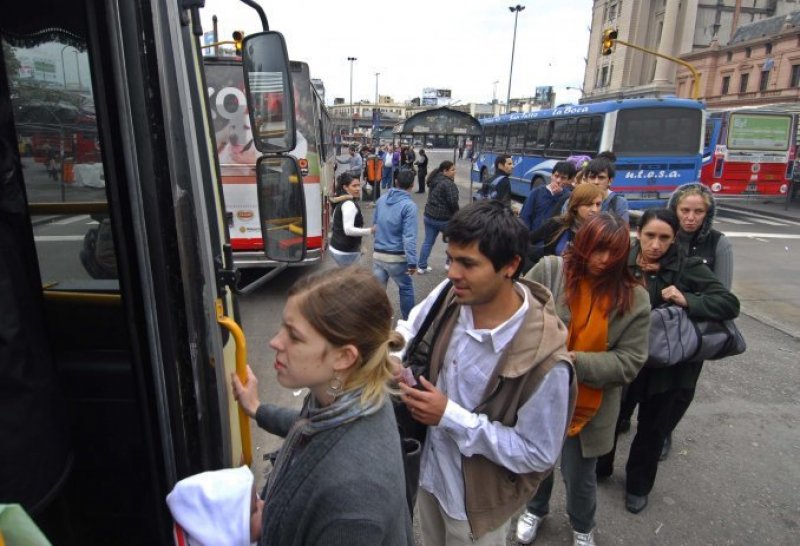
x: 732, y: 474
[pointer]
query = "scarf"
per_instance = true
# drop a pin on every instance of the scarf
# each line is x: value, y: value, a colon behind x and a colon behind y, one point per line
x: 587, y: 332
x: 314, y: 419
x: 645, y: 266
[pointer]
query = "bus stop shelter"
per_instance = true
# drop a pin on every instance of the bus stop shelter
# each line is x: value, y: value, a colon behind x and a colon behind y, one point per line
x: 440, y: 128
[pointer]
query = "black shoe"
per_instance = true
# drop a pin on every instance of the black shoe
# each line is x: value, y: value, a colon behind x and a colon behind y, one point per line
x: 635, y: 503
x: 624, y: 426
x: 666, y: 448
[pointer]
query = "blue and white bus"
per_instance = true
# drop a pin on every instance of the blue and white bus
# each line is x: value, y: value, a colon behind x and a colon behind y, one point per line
x: 658, y: 144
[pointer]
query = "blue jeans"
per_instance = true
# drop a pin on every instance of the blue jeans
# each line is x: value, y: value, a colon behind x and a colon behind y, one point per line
x: 432, y: 229
x: 398, y: 271
x: 345, y: 259
x: 386, y: 180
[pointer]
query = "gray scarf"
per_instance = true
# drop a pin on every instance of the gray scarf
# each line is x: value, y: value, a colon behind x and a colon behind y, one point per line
x: 313, y: 419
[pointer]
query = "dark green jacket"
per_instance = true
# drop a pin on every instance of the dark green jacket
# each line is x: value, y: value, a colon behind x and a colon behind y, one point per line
x: 708, y: 299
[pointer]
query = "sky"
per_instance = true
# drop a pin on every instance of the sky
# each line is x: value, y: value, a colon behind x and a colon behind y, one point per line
x: 462, y: 45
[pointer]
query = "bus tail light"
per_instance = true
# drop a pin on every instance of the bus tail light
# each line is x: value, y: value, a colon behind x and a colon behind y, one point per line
x: 718, y: 166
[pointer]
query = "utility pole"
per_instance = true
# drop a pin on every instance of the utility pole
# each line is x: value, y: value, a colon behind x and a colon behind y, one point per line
x: 352, y: 110
x: 515, y: 10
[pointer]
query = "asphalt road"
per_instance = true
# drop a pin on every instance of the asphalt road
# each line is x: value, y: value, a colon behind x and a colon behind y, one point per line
x: 733, y: 474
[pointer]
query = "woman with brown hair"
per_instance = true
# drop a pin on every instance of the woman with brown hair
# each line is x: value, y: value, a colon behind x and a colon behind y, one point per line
x: 554, y: 236
x: 338, y: 478
x: 608, y: 316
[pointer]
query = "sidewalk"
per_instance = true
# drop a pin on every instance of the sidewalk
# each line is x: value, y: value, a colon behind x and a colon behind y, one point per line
x: 774, y: 209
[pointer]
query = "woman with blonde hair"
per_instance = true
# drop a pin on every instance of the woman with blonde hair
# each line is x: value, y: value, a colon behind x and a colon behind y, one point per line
x: 338, y: 478
x: 555, y: 236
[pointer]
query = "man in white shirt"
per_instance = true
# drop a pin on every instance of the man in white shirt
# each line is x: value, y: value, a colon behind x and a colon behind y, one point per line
x: 500, y: 388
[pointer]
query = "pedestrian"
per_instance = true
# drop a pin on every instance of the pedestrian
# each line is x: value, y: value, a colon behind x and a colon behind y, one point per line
x: 397, y: 161
x: 608, y: 316
x: 600, y: 171
x: 338, y: 477
x: 410, y: 158
x: 388, y: 167
x: 500, y: 185
x: 554, y: 237
x: 422, y: 170
x: 348, y: 222
x: 354, y: 162
x: 441, y: 206
x: 543, y: 202
x: 500, y: 389
x: 395, y: 249
x: 460, y: 150
x: 664, y: 394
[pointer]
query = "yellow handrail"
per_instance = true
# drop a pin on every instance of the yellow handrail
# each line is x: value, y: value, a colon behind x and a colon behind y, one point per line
x: 241, y: 372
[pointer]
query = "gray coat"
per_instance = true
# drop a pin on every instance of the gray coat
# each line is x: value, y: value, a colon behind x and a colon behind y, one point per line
x: 628, y: 338
x: 345, y: 486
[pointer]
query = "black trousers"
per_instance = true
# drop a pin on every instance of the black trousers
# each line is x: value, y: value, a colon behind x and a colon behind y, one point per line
x: 421, y: 180
x: 658, y: 416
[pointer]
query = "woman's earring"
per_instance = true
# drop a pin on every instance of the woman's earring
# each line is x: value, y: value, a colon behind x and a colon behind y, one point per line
x: 335, y: 387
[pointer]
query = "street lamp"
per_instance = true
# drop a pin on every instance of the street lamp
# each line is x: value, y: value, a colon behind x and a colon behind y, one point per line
x: 579, y: 89
x: 515, y: 10
x: 352, y: 110
x: 375, y: 113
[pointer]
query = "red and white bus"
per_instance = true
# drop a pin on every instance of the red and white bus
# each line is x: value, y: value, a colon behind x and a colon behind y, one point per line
x: 749, y: 152
x: 237, y: 157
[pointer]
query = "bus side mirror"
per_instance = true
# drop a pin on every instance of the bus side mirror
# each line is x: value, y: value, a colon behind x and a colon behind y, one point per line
x: 270, y: 98
x: 281, y: 206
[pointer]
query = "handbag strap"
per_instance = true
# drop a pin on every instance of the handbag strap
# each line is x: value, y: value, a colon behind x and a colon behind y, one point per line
x: 429, y: 318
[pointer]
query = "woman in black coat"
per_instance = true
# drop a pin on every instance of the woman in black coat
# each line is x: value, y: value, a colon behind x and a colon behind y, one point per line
x: 422, y: 170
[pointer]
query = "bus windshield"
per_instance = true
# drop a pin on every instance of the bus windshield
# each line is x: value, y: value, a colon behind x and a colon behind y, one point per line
x: 658, y: 132
x: 759, y: 132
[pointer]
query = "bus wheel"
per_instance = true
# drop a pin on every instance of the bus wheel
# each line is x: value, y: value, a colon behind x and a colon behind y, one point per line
x: 536, y: 182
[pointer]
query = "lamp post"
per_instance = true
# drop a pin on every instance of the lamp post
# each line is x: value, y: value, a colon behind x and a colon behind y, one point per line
x: 515, y: 10
x: 579, y: 89
x: 352, y: 110
x: 78, y: 68
x: 376, y: 113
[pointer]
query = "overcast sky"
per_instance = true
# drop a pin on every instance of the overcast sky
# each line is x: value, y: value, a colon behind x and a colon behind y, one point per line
x: 462, y: 45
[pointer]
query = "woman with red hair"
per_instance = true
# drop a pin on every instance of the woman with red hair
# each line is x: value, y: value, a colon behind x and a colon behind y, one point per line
x: 608, y: 316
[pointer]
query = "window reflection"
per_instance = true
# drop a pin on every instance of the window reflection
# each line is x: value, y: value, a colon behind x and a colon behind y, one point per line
x: 59, y: 147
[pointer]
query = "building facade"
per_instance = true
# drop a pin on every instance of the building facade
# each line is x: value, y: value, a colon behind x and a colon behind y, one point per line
x: 672, y: 27
x: 760, y: 66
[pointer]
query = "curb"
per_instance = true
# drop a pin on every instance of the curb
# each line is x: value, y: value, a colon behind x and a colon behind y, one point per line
x: 782, y: 214
x: 48, y: 219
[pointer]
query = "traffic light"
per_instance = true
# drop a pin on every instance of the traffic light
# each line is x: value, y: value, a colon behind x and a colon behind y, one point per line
x: 238, y: 36
x: 609, y: 39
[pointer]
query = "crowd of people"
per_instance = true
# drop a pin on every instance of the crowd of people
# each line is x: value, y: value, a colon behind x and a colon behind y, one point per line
x: 535, y: 350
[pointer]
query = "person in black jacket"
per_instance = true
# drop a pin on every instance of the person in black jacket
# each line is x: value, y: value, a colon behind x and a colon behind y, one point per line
x: 422, y: 169
x: 441, y: 206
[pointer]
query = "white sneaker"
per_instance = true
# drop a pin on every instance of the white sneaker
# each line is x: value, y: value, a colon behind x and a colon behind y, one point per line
x: 527, y: 527
x: 583, y: 539
x: 424, y: 271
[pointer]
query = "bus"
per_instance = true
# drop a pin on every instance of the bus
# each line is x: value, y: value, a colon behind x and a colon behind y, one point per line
x: 658, y: 144
x: 749, y: 152
x: 237, y: 157
x: 119, y: 330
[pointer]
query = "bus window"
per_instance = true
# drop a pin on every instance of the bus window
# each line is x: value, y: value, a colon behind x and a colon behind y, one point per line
x: 589, y: 131
x: 562, y: 140
x: 63, y: 167
x: 488, y: 137
x: 501, y: 139
x: 543, y: 137
x: 658, y: 132
x: 516, y: 137
x: 531, y: 135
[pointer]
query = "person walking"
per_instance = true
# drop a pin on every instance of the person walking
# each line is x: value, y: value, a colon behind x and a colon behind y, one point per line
x: 354, y: 162
x: 608, y: 316
x: 395, y: 249
x: 500, y: 185
x: 441, y: 206
x: 348, y: 222
x: 544, y: 202
x: 554, y: 236
x: 500, y: 389
x: 664, y: 394
x: 387, y: 156
x: 422, y: 170
x: 338, y: 477
x: 600, y: 171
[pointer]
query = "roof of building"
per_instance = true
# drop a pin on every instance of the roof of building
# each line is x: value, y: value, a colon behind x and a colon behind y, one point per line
x: 765, y: 28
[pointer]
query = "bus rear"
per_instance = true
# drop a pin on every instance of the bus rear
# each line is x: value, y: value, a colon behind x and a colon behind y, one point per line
x: 237, y: 157
x: 749, y: 152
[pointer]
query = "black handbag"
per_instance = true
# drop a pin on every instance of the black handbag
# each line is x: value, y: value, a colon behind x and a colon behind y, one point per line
x: 412, y: 432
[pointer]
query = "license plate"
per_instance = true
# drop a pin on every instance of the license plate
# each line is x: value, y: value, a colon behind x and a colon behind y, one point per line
x: 751, y: 187
x: 649, y: 195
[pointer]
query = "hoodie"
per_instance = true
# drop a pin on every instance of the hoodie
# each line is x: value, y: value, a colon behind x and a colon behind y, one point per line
x: 396, y: 236
x: 706, y: 242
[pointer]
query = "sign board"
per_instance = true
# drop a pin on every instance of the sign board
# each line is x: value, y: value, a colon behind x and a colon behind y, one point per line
x: 759, y: 132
